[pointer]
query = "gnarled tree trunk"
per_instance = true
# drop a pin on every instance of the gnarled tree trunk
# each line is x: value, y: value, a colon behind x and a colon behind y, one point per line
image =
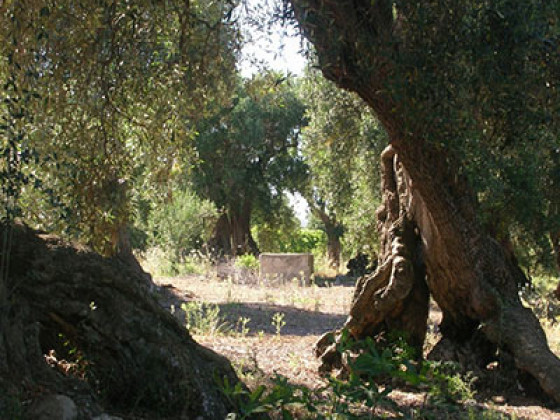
x: 220, y: 243
x: 395, y: 297
x: 334, y: 248
x: 134, y: 354
x: 432, y: 224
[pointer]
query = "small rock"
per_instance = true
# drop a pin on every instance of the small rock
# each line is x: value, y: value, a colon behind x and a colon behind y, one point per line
x: 53, y: 407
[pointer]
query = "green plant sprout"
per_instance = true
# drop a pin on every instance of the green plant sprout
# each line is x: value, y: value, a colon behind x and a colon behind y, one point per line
x: 278, y: 322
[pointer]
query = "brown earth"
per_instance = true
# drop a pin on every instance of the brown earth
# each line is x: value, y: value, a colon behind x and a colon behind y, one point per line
x: 308, y: 312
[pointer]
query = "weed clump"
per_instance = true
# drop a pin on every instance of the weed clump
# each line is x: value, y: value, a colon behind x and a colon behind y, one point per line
x: 363, y: 392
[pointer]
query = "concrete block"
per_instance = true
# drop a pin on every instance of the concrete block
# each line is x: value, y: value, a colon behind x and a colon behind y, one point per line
x: 286, y: 267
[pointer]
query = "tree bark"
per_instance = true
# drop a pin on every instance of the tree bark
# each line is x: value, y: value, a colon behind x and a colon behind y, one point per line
x: 395, y: 297
x: 135, y: 355
x: 242, y: 239
x: 232, y: 234
x: 555, y: 239
x: 334, y: 248
x: 467, y: 271
x: 220, y: 243
x: 333, y: 230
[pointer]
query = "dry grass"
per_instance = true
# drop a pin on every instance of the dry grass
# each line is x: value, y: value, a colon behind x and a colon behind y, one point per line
x: 258, y: 352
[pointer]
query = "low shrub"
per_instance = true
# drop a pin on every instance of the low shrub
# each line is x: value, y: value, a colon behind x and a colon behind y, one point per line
x: 162, y: 263
x: 181, y: 226
x: 365, y: 389
x: 247, y: 261
x: 204, y: 318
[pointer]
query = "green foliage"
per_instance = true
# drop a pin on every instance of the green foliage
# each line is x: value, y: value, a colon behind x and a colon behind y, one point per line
x: 203, y: 318
x: 241, y: 327
x: 115, y: 89
x: 341, y: 144
x: 371, y: 370
x: 282, y: 398
x: 17, y: 157
x: 248, y: 150
x: 181, y: 225
x: 297, y: 240
x: 247, y: 261
x: 163, y: 263
x: 273, y: 232
x: 539, y: 296
x: 477, y: 80
x: 278, y: 322
x: 308, y: 240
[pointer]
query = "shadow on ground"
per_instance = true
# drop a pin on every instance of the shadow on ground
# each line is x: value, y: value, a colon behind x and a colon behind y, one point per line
x: 291, y: 321
x: 297, y: 321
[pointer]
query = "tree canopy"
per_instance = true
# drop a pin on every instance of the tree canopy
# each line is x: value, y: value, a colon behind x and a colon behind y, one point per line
x: 341, y: 145
x: 110, y: 90
x: 248, y: 156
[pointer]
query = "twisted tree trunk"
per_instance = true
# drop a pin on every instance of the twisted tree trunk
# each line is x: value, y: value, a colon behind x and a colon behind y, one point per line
x: 395, y: 297
x: 132, y: 353
x: 240, y: 220
x: 429, y: 217
x: 220, y: 243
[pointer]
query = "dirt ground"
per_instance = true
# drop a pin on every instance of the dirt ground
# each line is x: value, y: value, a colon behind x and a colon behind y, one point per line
x: 273, y: 328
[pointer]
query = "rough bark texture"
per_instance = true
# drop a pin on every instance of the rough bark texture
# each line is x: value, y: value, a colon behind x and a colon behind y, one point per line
x: 468, y: 273
x: 135, y: 354
x: 555, y: 239
x: 334, y: 248
x: 220, y: 243
x: 242, y: 239
x: 395, y: 297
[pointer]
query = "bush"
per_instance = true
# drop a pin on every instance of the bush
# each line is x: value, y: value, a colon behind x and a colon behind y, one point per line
x: 158, y: 262
x: 309, y: 240
x: 182, y: 225
x: 247, y: 261
x: 203, y: 318
x: 287, y: 240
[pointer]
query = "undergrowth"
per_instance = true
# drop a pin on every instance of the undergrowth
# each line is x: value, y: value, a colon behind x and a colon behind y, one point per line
x: 365, y: 389
x: 204, y: 318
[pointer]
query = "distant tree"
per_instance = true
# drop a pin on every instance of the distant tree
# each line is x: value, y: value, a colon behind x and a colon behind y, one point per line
x: 248, y: 156
x: 340, y: 144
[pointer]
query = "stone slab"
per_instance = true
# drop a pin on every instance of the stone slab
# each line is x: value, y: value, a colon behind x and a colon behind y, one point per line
x: 286, y: 267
